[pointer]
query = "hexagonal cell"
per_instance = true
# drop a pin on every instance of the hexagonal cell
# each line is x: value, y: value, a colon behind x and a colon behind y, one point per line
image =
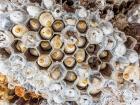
x: 71, y: 94
x: 6, y: 39
x: 80, y: 55
x: 69, y: 48
x: 56, y: 88
x: 81, y: 42
x: 46, y: 19
x: 56, y: 42
x: 58, y: 25
x: 83, y: 74
x: 46, y: 33
x: 119, y: 36
x: 82, y: 26
x: 95, y: 77
x: 5, y: 53
x: 44, y: 47
x: 95, y: 86
x: 130, y: 42
x: 92, y: 49
x: 105, y: 55
x: 18, y: 46
x: 17, y: 61
x: 44, y: 61
x: 57, y: 55
x: 94, y: 35
x: 19, y: 30
x: 31, y: 39
x: 33, y: 24
x: 82, y: 70
x: 70, y: 78
x: 57, y: 72
x: 95, y: 95
x: 69, y: 62
x: 30, y: 70
x: 69, y: 35
x: 131, y: 57
x: 94, y: 62
x: 109, y: 43
x: 82, y: 84
x: 106, y: 69
x: 31, y: 54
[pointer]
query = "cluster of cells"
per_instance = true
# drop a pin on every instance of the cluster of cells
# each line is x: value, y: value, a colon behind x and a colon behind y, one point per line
x: 52, y: 57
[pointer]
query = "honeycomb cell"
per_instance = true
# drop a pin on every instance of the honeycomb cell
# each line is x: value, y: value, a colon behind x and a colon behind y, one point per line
x: 45, y: 47
x: 69, y: 48
x: 46, y: 33
x: 130, y: 42
x: 106, y: 69
x: 18, y: 46
x: 57, y: 55
x: 94, y: 62
x: 81, y: 42
x: 31, y: 39
x: 105, y: 56
x: 70, y: 34
x: 92, y: 49
x: 70, y: 78
x: 5, y: 53
x: 58, y: 25
x: 56, y: 42
x: 19, y: 30
x: 33, y: 24
x: 6, y: 39
x: 71, y: 94
x: 57, y: 72
x: 82, y: 70
x: 46, y: 19
x: 96, y: 96
x: 30, y: 70
x: 69, y: 62
x: 80, y: 55
x: 95, y: 87
x: 31, y: 54
x: 44, y: 61
x: 56, y: 88
x: 82, y: 26
x: 17, y: 61
x: 82, y: 84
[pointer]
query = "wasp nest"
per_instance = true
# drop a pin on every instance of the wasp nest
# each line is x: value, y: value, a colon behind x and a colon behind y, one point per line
x: 69, y: 52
